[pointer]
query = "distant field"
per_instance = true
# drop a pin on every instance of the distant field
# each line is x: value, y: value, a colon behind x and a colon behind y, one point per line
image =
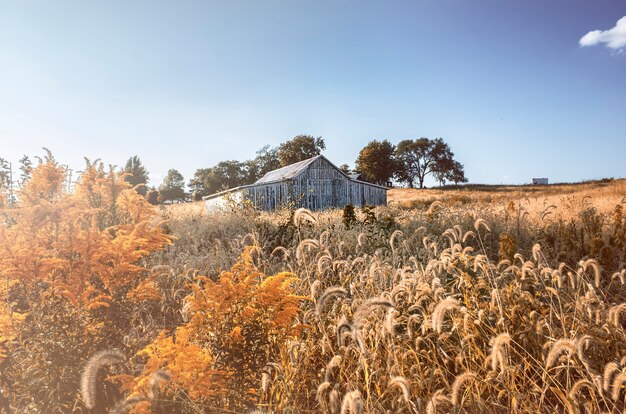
x: 569, y: 198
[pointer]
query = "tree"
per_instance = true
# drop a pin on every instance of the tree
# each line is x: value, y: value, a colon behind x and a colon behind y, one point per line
x: 300, y: 148
x: 266, y: 160
x: 345, y: 168
x: 153, y: 196
x: 224, y: 175
x: 199, y: 183
x: 421, y: 157
x: 173, y: 187
x: 376, y: 162
x: 449, y: 170
x: 137, y: 174
x: 5, y: 174
x: 6, y: 183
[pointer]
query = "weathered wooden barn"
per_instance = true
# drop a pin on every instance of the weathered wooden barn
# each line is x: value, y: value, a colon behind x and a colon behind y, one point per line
x: 315, y: 183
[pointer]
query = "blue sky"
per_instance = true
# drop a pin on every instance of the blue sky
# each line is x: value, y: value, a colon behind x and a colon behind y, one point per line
x: 187, y: 84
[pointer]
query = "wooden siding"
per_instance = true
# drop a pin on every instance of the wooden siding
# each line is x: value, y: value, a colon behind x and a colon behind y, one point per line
x: 320, y: 186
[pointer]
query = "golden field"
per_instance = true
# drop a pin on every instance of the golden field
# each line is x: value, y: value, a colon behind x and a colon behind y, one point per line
x: 488, y: 299
x: 603, y: 195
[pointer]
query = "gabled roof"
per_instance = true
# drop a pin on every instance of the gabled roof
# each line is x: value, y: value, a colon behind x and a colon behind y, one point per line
x: 285, y: 173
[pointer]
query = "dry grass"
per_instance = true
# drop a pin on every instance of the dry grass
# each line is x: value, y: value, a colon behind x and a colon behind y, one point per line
x: 497, y: 300
x: 603, y: 195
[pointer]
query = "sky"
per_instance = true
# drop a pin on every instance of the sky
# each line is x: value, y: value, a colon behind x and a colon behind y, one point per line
x: 518, y: 89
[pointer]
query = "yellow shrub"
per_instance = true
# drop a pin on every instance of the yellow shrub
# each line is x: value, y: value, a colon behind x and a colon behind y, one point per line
x: 66, y: 259
x: 234, y: 327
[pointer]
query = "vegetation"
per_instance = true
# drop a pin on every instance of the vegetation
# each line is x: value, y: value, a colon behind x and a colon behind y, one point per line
x: 72, y: 283
x: 137, y: 175
x: 299, y: 148
x: 376, y: 162
x: 421, y: 157
x: 225, y: 175
x: 502, y: 302
x: 173, y: 188
x: 230, y: 174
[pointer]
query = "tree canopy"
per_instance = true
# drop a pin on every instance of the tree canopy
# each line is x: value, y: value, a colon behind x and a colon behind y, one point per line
x: 345, y: 168
x: 376, y: 162
x: 300, y: 148
x: 224, y: 175
x: 173, y: 187
x: 136, y: 174
x: 421, y: 157
x: 266, y: 160
x: 230, y: 174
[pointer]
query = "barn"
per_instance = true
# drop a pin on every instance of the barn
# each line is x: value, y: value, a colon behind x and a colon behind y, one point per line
x: 315, y: 183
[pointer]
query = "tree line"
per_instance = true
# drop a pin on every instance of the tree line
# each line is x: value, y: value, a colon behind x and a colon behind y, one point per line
x: 379, y: 162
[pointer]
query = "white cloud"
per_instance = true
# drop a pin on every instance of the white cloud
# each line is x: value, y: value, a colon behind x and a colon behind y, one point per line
x: 615, y: 38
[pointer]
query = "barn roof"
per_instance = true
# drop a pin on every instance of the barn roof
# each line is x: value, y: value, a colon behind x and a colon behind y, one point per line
x: 285, y: 173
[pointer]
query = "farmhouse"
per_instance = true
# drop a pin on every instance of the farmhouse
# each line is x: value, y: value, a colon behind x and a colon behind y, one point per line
x: 315, y: 183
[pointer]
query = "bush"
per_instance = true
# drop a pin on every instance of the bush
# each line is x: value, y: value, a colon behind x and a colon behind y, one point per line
x: 153, y: 197
x: 72, y: 280
x: 196, y: 196
x: 349, y: 216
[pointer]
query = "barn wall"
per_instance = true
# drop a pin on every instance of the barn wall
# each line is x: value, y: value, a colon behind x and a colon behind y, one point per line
x: 221, y: 202
x: 363, y: 193
x: 322, y: 186
x: 269, y: 196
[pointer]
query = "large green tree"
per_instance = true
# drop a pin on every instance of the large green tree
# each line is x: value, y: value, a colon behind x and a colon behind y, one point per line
x: 137, y: 175
x: 173, y: 187
x: 265, y: 161
x: 300, y: 148
x: 376, y: 163
x: 420, y: 157
x: 224, y: 175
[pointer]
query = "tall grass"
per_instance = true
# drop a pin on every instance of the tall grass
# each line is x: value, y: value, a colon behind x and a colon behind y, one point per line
x: 479, y: 306
x: 425, y: 310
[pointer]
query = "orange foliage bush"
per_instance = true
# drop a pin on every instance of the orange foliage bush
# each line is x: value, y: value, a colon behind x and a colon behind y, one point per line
x: 234, y: 327
x: 65, y: 258
x: 86, y: 244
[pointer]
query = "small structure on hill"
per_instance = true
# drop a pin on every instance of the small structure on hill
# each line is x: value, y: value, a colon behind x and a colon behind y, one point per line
x: 315, y: 184
x: 540, y: 181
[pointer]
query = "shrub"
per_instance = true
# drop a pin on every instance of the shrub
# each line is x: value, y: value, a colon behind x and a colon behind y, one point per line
x: 153, y: 197
x: 235, y: 326
x: 71, y: 273
x: 349, y: 216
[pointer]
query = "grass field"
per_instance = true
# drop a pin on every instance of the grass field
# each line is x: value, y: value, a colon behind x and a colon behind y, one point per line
x: 603, y: 195
x: 476, y: 299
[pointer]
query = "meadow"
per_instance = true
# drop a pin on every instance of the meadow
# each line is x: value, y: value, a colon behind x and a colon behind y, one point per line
x: 475, y: 299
